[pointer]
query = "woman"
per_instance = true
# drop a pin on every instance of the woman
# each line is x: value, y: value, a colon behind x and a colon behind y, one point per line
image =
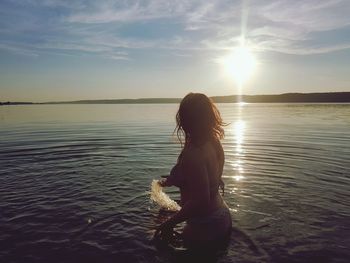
x: 198, y: 174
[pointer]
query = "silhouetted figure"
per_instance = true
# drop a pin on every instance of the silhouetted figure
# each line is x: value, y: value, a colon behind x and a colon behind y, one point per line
x: 198, y: 174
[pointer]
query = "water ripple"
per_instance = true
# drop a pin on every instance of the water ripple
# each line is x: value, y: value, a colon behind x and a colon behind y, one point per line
x: 74, y: 182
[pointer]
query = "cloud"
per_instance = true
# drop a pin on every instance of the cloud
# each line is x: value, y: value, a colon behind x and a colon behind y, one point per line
x: 19, y: 50
x: 129, y: 11
x: 285, y: 26
x: 312, y: 15
x: 95, y: 27
x: 282, y: 26
x: 116, y: 57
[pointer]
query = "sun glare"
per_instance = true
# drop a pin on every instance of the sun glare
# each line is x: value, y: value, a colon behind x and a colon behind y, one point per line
x: 240, y: 64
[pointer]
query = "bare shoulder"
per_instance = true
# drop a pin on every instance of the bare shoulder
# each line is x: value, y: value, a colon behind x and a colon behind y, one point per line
x: 219, y: 149
x: 194, y: 169
x: 218, y: 145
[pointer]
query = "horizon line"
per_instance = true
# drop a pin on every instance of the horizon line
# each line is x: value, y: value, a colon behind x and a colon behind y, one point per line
x: 176, y: 99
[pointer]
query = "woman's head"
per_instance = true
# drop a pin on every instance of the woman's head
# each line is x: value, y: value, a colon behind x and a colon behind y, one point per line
x: 198, y: 119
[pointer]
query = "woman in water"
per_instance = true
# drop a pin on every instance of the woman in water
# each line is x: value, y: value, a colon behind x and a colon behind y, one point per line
x: 198, y: 174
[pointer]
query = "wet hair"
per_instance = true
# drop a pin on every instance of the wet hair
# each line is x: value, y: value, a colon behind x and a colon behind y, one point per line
x: 198, y: 120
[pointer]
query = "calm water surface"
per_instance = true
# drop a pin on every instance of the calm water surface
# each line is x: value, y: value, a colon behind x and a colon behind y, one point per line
x: 74, y: 182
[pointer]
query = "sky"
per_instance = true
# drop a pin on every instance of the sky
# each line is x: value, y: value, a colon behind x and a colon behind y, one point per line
x: 54, y: 50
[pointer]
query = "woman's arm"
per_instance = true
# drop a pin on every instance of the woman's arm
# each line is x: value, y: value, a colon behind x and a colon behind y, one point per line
x: 197, y: 188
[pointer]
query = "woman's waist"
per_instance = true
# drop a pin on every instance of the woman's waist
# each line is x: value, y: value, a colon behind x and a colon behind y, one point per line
x: 215, y: 215
x: 214, y: 203
x: 214, y: 206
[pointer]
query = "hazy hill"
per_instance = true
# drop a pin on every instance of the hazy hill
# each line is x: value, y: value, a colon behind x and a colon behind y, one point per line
x: 289, y: 97
x: 281, y: 98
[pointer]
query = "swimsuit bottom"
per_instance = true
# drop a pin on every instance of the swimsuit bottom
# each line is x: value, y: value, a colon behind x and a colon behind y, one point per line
x: 213, y: 219
x: 215, y: 227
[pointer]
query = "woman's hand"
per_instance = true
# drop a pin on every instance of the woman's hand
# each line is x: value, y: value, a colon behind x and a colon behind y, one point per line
x: 164, y: 182
x: 165, y: 230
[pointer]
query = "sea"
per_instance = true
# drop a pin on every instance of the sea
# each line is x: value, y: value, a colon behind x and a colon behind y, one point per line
x: 75, y: 183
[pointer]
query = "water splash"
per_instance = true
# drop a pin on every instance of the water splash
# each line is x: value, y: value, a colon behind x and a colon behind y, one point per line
x: 161, y: 198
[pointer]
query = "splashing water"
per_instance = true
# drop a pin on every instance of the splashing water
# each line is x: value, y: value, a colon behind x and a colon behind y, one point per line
x: 161, y: 198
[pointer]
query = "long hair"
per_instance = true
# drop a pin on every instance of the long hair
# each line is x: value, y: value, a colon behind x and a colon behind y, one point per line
x: 198, y: 120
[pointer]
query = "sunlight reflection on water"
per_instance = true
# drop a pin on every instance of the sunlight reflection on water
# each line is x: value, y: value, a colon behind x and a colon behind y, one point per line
x: 238, y: 128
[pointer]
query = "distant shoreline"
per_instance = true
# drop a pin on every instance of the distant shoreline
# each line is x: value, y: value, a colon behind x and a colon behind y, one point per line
x: 330, y: 97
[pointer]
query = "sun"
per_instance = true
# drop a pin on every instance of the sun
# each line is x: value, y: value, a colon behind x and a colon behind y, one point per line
x: 240, y: 64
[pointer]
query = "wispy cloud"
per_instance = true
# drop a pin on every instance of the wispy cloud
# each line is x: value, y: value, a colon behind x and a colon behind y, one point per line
x: 130, y: 11
x: 96, y: 27
x: 20, y: 50
x: 284, y: 25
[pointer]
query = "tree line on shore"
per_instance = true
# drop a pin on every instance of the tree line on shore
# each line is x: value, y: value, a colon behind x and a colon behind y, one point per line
x: 325, y: 97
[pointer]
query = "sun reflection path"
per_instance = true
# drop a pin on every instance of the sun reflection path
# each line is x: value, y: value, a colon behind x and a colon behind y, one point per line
x: 238, y: 129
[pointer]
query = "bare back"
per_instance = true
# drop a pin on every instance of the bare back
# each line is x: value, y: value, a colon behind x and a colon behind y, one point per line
x: 210, y: 157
